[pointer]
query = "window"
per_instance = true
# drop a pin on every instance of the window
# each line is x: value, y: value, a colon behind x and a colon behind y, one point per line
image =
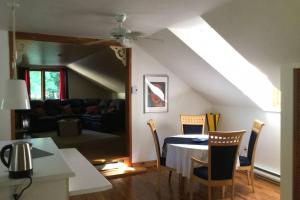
x: 44, y: 84
x: 35, y: 84
x: 51, y: 85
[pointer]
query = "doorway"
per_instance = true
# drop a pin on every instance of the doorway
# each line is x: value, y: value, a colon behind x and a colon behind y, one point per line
x: 69, y: 41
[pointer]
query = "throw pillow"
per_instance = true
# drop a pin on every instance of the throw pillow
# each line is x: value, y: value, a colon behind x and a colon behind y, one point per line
x: 66, y: 109
x: 111, y: 109
x: 38, y: 112
x: 92, y: 110
x: 77, y: 109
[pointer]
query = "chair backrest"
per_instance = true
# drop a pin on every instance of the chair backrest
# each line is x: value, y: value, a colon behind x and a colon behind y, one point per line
x: 222, y: 154
x: 151, y: 124
x: 212, y: 121
x: 192, y: 124
x: 256, y: 130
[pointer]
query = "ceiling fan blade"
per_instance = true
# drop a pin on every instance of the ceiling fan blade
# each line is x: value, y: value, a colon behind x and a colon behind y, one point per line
x: 102, y: 42
x: 152, y: 39
x: 134, y: 34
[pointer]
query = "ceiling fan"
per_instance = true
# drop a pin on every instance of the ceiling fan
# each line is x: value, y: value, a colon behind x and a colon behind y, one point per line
x: 121, y: 34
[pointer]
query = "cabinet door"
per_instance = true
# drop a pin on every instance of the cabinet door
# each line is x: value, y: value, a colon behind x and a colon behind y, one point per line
x: 46, y: 190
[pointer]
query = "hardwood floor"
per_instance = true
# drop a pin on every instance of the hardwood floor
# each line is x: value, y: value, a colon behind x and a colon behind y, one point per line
x: 145, y: 187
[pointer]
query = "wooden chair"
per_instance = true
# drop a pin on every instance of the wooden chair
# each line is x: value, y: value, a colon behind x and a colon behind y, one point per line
x: 192, y: 124
x: 247, y: 163
x: 160, y: 162
x: 212, y: 121
x: 220, y: 169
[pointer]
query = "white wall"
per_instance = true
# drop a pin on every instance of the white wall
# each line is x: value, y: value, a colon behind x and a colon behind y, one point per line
x: 268, y: 147
x: 5, y: 130
x: 287, y: 131
x: 182, y: 99
x: 81, y: 87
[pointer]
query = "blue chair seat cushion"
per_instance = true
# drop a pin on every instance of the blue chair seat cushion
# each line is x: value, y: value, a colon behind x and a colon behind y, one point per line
x: 201, y: 172
x: 244, y: 161
x: 162, y: 161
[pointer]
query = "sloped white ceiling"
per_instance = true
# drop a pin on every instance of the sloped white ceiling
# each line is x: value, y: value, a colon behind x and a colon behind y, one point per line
x: 94, y: 18
x: 266, y: 33
x: 192, y: 69
x: 102, y: 68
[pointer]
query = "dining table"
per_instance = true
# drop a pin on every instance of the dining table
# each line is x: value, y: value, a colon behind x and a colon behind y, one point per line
x: 178, y: 150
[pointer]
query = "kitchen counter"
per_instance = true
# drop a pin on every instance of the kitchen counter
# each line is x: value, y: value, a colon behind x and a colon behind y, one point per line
x: 50, y: 175
x: 44, y: 168
x: 58, y: 176
x: 87, y: 179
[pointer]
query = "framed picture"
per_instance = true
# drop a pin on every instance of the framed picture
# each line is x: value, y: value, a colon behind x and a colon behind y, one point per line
x: 156, y: 93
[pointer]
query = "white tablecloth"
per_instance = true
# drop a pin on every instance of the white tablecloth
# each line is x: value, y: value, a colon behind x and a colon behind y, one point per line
x: 179, y: 155
x: 200, y: 136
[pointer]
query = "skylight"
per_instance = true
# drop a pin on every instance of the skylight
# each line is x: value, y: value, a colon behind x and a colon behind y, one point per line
x: 208, y: 44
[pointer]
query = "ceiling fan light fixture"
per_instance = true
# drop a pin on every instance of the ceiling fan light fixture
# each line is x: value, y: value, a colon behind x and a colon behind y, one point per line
x: 125, y: 42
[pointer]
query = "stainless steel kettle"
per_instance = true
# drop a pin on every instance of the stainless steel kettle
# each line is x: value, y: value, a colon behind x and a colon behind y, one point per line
x: 19, y: 161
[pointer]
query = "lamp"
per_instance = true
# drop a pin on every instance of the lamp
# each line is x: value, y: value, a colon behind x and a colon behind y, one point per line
x: 15, y: 91
x: 15, y: 96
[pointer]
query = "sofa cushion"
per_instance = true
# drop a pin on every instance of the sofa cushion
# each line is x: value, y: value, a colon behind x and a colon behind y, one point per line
x: 111, y: 109
x: 77, y: 110
x: 38, y: 112
x: 67, y: 116
x: 65, y: 102
x: 77, y: 106
x: 91, y: 102
x: 118, y: 104
x: 66, y: 109
x: 36, y: 103
x: 52, y: 107
x: 75, y: 102
x: 103, y: 105
x: 92, y: 110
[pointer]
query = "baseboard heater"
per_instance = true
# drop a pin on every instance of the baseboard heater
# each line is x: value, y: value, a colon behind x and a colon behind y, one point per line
x: 274, y: 177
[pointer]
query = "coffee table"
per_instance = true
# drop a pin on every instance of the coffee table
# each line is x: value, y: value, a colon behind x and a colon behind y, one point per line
x: 69, y: 127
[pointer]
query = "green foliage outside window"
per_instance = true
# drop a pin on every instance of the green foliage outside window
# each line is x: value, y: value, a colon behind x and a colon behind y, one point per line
x: 35, y: 84
x: 51, y: 85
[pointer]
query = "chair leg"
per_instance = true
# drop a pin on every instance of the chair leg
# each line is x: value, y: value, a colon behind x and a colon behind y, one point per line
x: 248, y: 175
x: 179, y: 179
x: 252, y: 180
x: 158, y: 179
x: 191, y: 188
x: 232, y: 191
x: 170, y: 176
x: 223, y: 192
x: 209, y: 192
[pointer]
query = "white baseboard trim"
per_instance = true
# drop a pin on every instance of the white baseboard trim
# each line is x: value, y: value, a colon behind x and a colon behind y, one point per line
x: 267, y: 174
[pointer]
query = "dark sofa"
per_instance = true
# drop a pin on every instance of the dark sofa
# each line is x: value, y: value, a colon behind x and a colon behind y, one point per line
x: 95, y: 114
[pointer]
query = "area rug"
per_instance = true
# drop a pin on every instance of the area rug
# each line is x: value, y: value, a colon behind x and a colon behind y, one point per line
x: 86, y: 137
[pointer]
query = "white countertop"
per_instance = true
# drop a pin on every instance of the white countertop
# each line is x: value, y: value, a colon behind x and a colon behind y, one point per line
x: 46, y: 168
x: 87, y: 179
